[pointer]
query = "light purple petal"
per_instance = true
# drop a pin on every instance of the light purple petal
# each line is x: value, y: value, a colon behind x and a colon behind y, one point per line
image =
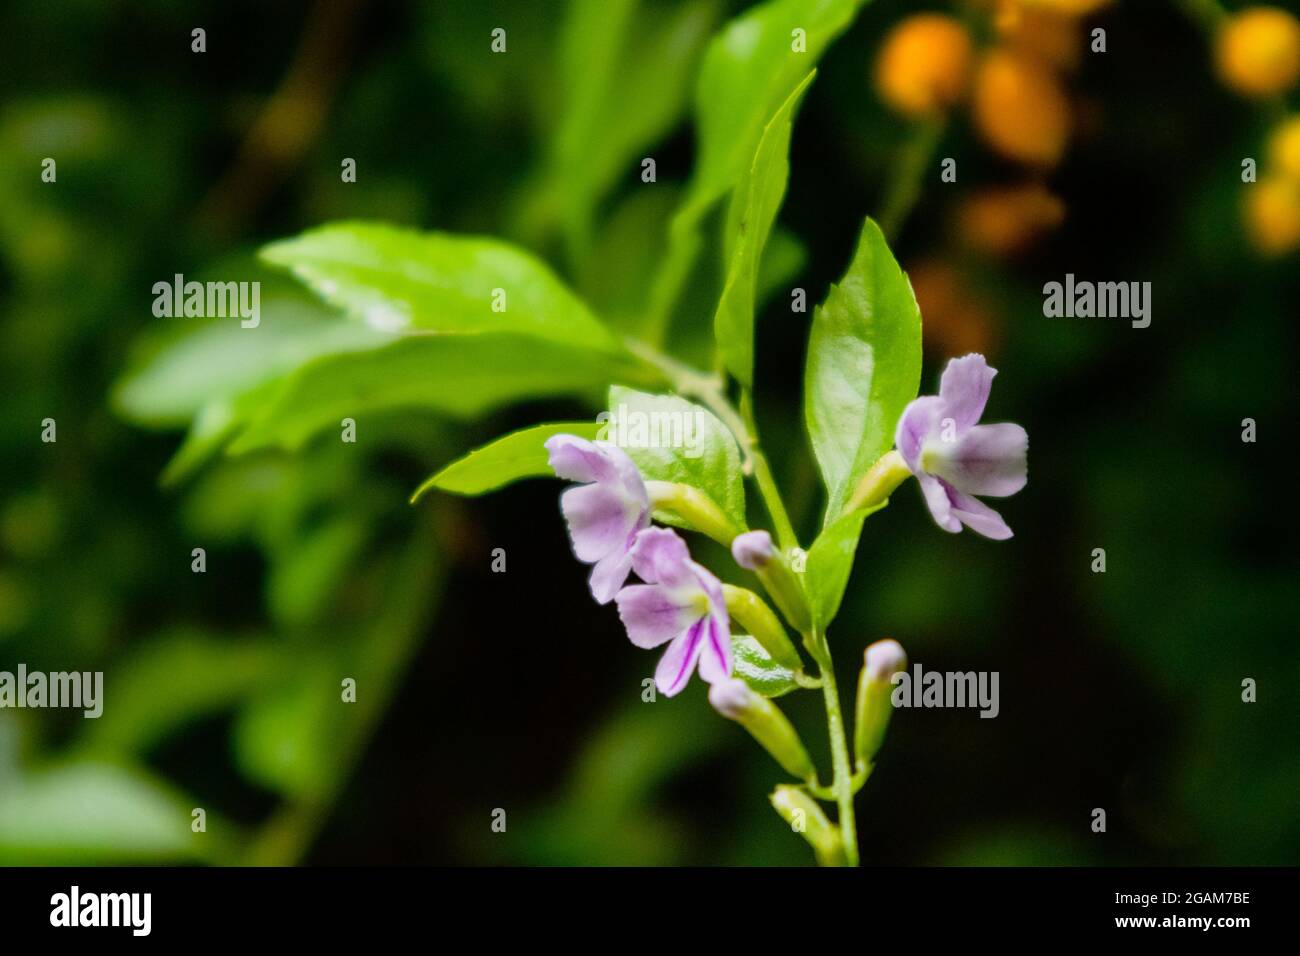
x: 936, y: 499
x: 675, y: 666
x: 600, y: 521
x: 752, y: 550
x: 651, y: 615
x: 919, y: 420
x: 978, y: 516
x: 659, y: 556
x: 715, y: 655
x: 608, y: 575
x: 984, y: 460
x: 964, y: 389
x: 577, y: 459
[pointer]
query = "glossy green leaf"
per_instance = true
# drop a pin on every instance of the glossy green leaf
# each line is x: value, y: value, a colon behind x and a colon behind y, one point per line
x: 518, y: 455
x: 753, y: 210
x: 830, y: 561
x: 625, y: 81
x: 456, y: 375
x: 671, y: 439
x: 399, y: 280
x: 749, y: 70
x: 756, y: 668
x: 864, y: 366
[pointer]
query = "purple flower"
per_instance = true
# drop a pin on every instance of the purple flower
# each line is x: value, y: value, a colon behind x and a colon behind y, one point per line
x: 681, y: 602
x: 954, y: 458
x: 604, y: 514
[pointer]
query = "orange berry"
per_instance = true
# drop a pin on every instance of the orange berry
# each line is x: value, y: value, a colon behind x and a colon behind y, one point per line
x: 1020, y: 108
x: 924, y: 66
x: 1272, y: 215
x: 954, y: 318
x: 1005, y: 220
x: 1284, y: 148
x: 1258, y: 51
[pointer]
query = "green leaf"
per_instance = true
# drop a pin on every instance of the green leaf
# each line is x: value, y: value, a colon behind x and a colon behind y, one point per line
x: 864, y: 366
x: 518, y: 455
x: 749, y: 70
x: 754, y: 206
x: 830, y: 561
x: 91, y: 813
x: 756, y: 668
x: 671, y: 439
x: 457, y: 375
x: 399, y: 280
x: 625, y: 81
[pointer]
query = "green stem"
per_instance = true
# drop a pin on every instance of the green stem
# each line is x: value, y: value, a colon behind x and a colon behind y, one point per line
x: 766, y: 482
x: 843, y: 782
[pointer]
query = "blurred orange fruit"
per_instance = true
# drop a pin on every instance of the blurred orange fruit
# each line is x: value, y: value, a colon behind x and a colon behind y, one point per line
x: 924, y: 66
x: 1046, y: 33
x: 954, y: 320
x: 1258, y: 51
x: 1005, y: 220
x: 1284, y: 148
x: 1020, y: 108
x: 1272, y: 214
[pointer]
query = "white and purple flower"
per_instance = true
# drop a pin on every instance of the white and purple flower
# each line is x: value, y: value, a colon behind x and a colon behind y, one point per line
x: 681, y: 603
x: 605, y: 512
x: 954, y: 458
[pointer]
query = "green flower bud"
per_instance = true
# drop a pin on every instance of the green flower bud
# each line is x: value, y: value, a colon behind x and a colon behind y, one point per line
x: 687, y: 504
x: 882, y: 661
x: 734, y: 700
x: 807, y: 819
x: 752, y: 613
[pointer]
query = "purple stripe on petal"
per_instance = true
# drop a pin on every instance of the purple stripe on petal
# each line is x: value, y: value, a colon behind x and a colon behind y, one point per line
x: 651, y: 616
x: 715, y: 658
x: 965, y: 387
x: 675, y: 666
x: 985, y: 460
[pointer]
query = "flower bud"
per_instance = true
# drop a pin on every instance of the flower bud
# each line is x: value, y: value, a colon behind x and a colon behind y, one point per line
x: 750, y: 611
x: 1020, y: 109
x: 807, y: 818
x: 924, y: 66
x: 733, y: 699
x: 883, y: 660
x: 1258, y: 51
x: 1272, y: 215
x: 753, y: 550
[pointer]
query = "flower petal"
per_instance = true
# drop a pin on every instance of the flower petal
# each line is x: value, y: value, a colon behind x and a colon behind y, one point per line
x: 600, y: 520
x: 651, y: 615
x: 918, y: 422
x: 715, y: 655
x: 608, y: 575
x: 675, y: 666
x: 964, y: 389
x: 978, y: 516
x: 936, y: 499
x: 984, y: 460
x: 660, y: 557
x: 578, y: 459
